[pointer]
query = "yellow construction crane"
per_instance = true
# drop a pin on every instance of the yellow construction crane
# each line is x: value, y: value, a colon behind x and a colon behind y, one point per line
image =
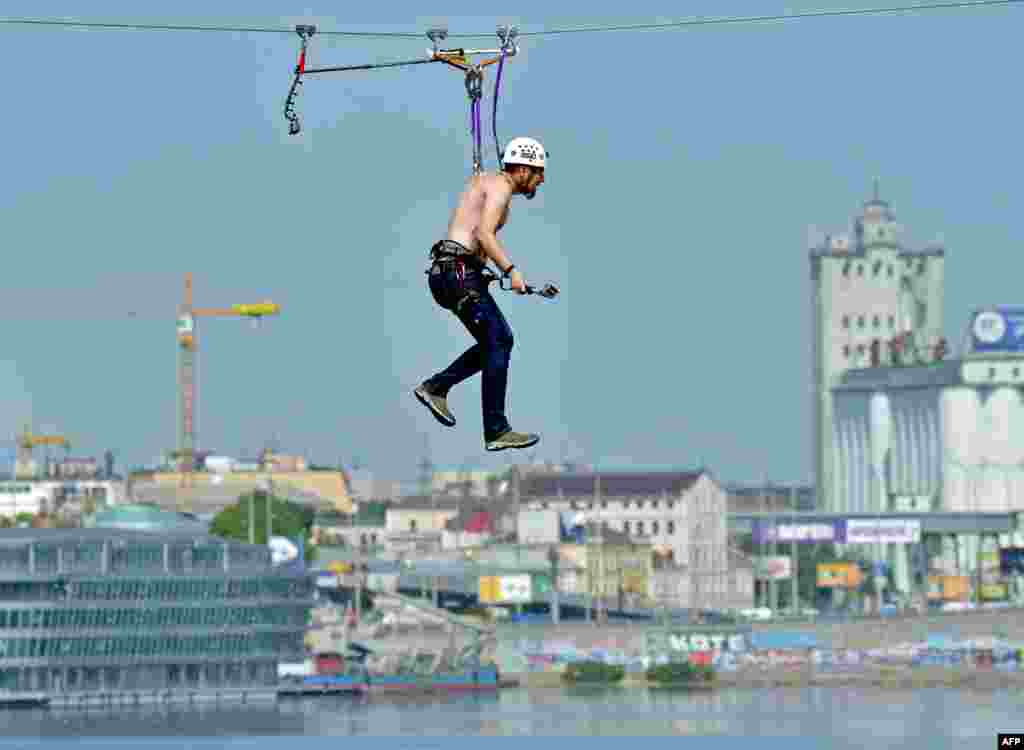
x: 188, y: 346
x: 27, y: 441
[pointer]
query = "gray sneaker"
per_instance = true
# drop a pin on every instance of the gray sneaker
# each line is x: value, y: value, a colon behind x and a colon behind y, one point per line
x: 438, y: 405
x: 511, y: 439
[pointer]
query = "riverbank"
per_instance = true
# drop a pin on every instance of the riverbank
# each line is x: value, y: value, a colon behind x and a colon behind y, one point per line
x: 884, y: 677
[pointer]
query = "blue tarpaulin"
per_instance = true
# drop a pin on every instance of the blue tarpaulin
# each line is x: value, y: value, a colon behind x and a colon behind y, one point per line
x: 768, y: 640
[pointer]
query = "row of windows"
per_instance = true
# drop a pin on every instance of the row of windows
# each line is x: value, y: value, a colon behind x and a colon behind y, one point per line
x: 152, y: 617
x: 157, y: 589
x: 174, y: 646
x: 178, y: 589
x: 60, y: 492
x: 603, y: 504
x: 135, y: 556
x: 938, y: 352
x: 876, y: 267
x: 86, y: 557
x: 182, y: 589
x: 876, y: 322
x: 670, y: 527
x: 140, y: 677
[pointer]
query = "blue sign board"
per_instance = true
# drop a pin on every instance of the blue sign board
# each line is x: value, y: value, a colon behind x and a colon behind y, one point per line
x: 998, y: 329
x: 804, y: 532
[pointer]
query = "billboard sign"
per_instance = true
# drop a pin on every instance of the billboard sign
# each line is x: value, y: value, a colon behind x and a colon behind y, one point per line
x: 883, y: 531
x: 289, y: 553
x: 949, y: 588
x: 993, y: 592
x: 487, y: 589
x: 839, y: 575
x: 1011, y: 561
x: 282, y: 550
x: 998, y: 329
x: 515, y: 589
x: 823, y: 531
x: 674, y: 642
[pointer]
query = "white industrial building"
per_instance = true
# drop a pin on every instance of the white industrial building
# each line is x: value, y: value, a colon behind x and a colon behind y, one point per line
x: 945, y: 437
x: 874, y: 302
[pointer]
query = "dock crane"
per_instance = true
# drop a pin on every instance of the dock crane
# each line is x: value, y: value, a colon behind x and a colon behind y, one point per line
x: 188, y: 347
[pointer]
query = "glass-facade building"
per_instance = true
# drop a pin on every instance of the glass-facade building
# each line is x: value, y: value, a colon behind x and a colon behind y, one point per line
x: 144, y: 616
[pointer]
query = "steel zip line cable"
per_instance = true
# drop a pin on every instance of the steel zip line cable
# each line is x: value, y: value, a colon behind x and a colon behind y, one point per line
x: 662, y: 26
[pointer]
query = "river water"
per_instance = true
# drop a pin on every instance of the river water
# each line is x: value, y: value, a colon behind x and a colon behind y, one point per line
x: 835, y: 718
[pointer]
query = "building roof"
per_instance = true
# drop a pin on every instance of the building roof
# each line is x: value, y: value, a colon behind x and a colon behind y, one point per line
x: 213, y: 498
x: 937, y: 374
x: 146, y: 517
x: 617, y: 484
x: 430, y: 502
x: 859, y: 251
x: 22, y: 536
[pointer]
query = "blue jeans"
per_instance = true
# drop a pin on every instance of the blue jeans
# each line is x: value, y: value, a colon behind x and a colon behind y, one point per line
x: 466, y: 295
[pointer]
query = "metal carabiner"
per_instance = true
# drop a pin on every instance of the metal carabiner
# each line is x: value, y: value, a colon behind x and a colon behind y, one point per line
x: 507, y: 36
x: 475, y: 83
x: 475, y: 90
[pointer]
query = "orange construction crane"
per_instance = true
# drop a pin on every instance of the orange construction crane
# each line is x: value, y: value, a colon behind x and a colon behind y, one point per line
x: 187, y: 350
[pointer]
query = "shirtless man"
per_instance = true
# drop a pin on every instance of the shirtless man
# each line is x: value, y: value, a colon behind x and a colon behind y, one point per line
x: 457, y: 283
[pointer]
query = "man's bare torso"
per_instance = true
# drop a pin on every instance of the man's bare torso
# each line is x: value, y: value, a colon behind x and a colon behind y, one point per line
x: 465, y: 220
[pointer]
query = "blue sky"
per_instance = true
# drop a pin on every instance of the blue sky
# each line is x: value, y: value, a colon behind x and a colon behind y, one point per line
x: 686, y: 169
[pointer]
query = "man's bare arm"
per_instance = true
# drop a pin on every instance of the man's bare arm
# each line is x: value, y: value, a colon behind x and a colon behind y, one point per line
x: 499, y: 193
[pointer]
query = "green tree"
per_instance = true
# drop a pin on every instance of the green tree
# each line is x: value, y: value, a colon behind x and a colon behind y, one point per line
x: 288, y: 520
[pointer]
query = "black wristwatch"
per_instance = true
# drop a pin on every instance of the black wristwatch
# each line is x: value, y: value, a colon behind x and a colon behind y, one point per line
x: 507, y: 271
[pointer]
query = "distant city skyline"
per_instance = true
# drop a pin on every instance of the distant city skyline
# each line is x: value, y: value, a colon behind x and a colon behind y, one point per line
x: 677, y: 226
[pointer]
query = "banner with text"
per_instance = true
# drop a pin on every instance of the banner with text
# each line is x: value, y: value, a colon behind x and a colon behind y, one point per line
x: 766, y: 532
x: 839, y: 531
x: 883, y: 531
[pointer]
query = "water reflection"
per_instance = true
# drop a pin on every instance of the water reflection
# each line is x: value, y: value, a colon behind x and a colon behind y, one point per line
x: 846, y: 717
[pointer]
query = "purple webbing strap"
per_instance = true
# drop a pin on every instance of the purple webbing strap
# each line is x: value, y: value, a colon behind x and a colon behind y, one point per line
x: 479, y: 133
x: 494, y: 111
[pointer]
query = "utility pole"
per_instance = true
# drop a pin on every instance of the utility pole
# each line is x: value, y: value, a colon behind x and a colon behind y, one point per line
x: 252, y: 517
x: 426, y: 468
x: 270, y: 499
x: 518, y: 496
x: 795, y: 572
x: 600, y: 552
x: 555, y: 604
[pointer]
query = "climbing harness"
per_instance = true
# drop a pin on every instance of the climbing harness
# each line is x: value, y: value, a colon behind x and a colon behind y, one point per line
x: 447, y: 252
x: 461, y: 59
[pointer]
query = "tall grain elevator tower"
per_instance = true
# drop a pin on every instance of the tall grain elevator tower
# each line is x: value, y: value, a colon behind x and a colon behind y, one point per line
x: 873, y: 303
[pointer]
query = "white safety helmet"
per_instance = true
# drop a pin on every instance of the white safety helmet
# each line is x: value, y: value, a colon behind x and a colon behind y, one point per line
x: 525, y: 151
